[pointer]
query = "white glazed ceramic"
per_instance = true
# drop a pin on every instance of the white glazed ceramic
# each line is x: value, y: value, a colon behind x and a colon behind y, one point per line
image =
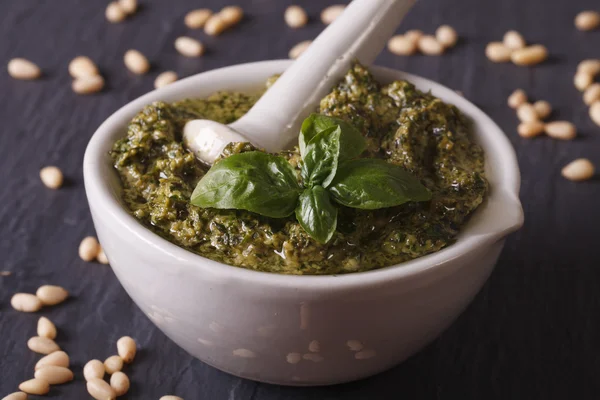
x: 259, y: 325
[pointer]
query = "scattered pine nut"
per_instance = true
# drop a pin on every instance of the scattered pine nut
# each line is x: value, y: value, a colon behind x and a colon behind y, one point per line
x: 298, y: 49
x: 57, y: 359
x: 402, y: 45
x: 93, y: 369
x: 170, y: 397
x: 5, y: 273
x: 52, y: 177
x: 35, y: 386
x: 26, y: 302
x: 214, y: 25
x: 517, y: 98
x: 196, y: 19
x: 446, y: 36
x: 530, y: 129
x: 89, y: 248
x: 114, y: 13
x: 595, y: 112
x: 136, y: 62
x: 20, y: 68
x: 163, y: 79
x: 51, y: 295
x: 295, y: 17
x: 513, y: 40
x: 16, y: 396
x: 88, y: 84
x: 189, y: 47
x: 497, y: 52
x: 530, y: 55
x: 126, y: 348
x: 128, y: 6
x: 42, y: 345
x: 54, y: 375
x: 591, y: 94
x: 562, y: 130
x: 120, y: 383
x: 590, y: 66
x: 329, y: 14
x: 587, y: 20
x: 583, y: 81
x: 45, y: 328
x: 231, y: 15
x: 82, y: 67
x: 113, y: 364
x: 413, y: 34
x: 526, y: 113
x: 430, y: 46
x: 542, y: 108
x: 581, y: 169
x: 101, y: 257
x: 100, y: 390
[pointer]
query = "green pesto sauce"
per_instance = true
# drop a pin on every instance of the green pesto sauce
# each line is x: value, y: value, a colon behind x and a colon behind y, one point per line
x: 402, y: 125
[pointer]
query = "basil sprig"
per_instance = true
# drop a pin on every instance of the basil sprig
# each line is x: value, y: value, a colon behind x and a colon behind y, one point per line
x: 266, y: 184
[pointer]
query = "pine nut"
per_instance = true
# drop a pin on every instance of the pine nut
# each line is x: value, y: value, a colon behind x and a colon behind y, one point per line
x: 89, y: 248
x: 497, y: 52
x: 298, y: 49
x: 526, y: 113
x: 214, y: 25
x: 446, y: 36
x: 170, y: 397
x: 401, y: 45
x: 51, y: 295
x: 128, y: 6
x: 587, y: 20
x: 136, y: 62
x: 120, y: 383
x: 101, y: 257
x: 530, y: 129
x: 530, y: 55
x: 57, y: 359
x: 163, y: 79
x: 295, y: 17
x: 430, y: 46
x: 20, y: 68
x: 42, y: 345
x: 542, y: 108
x: 517, y: 98
x: 100, y: 390
x: 25, y: 302
x: 54, y: 375
x: 189, y: 47
x: 231, y: 15
x: 93, y: 369
x: 82, y: 67
x: 513, y: 40
x: 126, y: 348
x: 45, y: 328
x: 16, y: 396
x: 5, y: 273
x: 413, y: 35
x: 579, y: 170
x: 583, y: 81
x: 35, y: 386
x: 113, y: 364
x: 563, y: 130
x: 88, y: 85
x: 329, y: 14
x: 52, y: 177
x: 114, y: 13
x: 591, y: 94
x: 595, y: 112
x: 196, y: 19
x: 590, y: 66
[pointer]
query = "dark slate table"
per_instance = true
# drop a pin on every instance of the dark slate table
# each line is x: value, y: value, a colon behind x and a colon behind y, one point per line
x: 532, y: 333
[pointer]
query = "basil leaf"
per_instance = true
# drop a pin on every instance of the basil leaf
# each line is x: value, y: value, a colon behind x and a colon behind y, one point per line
x: 252, y: 181
x: 316, y: 214
x: 352, y: 143
x: 321, y: 157
x: 369, y: 183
